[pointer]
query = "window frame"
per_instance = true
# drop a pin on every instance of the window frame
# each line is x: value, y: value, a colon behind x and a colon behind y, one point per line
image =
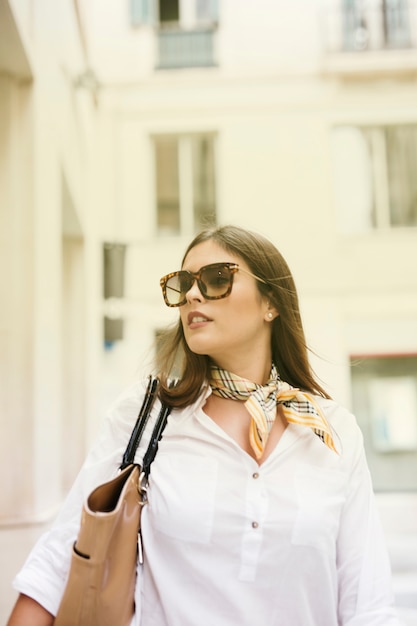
x: 373, y: 142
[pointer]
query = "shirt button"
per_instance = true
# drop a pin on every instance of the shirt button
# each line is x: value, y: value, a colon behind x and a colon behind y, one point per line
x: 255, y: 475
x: 255, y: 524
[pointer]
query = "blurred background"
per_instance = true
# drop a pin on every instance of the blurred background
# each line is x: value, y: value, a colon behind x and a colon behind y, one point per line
x: 126, y: 126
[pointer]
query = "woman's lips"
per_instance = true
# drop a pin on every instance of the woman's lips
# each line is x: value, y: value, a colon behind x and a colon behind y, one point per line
x: 195, y: 317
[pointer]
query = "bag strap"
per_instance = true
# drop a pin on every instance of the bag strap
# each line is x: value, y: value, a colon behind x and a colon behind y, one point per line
x: 150, y: 455
x: 141, y: 421
x: 155, y: 439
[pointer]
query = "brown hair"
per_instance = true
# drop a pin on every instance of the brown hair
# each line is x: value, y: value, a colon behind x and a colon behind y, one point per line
x: 289, y: 349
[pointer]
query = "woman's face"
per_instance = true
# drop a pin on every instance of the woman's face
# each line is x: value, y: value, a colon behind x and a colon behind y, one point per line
x: 233, y: 330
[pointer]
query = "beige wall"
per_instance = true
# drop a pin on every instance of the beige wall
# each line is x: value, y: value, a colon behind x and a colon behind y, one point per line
x: 16, y: 270
x: 46, y: 132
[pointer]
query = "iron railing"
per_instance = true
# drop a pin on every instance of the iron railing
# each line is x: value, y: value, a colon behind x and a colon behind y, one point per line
x: 186, y: 48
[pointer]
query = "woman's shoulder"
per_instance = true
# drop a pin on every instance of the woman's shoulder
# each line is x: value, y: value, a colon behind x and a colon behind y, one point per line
x: 121, y: 414
x: 334, y: 411
x: 130, y: 395
x: 343, y: 423
x: 129, y: 401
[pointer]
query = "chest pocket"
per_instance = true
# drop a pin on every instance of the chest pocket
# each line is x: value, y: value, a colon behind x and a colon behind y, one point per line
x: 182, y: 496
x: 320, y: 497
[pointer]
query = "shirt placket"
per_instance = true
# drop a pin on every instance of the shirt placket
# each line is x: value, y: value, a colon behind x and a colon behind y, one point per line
x: 255, y: 516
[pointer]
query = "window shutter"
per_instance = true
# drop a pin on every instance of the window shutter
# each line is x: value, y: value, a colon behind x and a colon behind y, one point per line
x: 142, y: 12
x: 215, y: 10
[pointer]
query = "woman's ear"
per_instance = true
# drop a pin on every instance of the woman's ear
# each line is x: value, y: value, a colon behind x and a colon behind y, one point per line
x: 271, y: 312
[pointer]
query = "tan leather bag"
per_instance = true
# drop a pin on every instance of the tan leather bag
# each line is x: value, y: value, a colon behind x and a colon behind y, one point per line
x: 102, y: 578
x: 101, y: 584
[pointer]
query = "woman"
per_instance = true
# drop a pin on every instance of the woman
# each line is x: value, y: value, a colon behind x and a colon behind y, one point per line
x: 260, y: 508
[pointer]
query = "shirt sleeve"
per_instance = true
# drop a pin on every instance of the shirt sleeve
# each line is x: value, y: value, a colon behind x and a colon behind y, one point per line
x: 364, y: 572
x: 43, y: 576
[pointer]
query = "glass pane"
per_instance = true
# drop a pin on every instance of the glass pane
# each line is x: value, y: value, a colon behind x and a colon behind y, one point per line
x: 375, y: 147
x: 393, y: 412
x: 384, y: 394
x: 396, y: 23
x: 207, y: 10
x: 114, y: 256
x: 401, y: 144
x: 114, y: 259
x: 167, y: 185
x: 141, y: 12
x: 204, y: 192
x: 355, y: 27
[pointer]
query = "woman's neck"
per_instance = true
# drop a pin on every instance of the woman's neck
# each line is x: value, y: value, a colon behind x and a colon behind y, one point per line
x: 254, y: 371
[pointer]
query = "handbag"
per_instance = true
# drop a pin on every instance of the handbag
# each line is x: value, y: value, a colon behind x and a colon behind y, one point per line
x: 102, y: 578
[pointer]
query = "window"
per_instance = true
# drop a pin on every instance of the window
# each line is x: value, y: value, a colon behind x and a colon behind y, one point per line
x: 167, y: 185
x: 188, y: 13
x: 185, y: 183
x: 370, y: 26
x: 385, y: 404
x: 186, y: 35
x: 374, y: 176
x: 169, y: 12
x: 396, y: 21
x: 355, y: 27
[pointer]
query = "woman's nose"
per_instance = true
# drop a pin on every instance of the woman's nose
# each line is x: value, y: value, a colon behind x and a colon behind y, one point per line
x: 194, y: 293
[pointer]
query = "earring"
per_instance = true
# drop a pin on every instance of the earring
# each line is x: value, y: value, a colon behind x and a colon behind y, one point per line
x: 270, y: 315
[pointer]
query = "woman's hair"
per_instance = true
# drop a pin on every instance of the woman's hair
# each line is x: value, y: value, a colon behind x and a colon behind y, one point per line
x: 174, y: 359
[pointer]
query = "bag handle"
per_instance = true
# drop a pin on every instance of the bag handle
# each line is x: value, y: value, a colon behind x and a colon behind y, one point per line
x: 142, y: 419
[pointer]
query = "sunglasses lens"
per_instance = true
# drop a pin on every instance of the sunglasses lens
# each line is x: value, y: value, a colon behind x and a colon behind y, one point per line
x: 177, y: 286
x: 216, y: 281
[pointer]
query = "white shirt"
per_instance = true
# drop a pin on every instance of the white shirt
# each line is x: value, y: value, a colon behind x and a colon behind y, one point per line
x: 293, y: 542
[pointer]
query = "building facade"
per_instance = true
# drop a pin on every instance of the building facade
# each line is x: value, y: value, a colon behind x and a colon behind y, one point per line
x: 303, y: 128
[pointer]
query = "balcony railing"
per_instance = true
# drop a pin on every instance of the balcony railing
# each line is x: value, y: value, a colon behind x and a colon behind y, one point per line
x: 370, y: 26
x: 183, y: 48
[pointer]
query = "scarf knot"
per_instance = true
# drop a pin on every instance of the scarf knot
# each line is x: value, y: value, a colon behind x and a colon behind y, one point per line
x: 261, y: 402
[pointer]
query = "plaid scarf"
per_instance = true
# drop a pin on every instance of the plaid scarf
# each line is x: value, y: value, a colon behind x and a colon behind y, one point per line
x: 261, y: 402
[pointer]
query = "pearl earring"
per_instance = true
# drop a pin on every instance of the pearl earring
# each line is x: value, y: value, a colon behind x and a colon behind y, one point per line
x: 270, y: 315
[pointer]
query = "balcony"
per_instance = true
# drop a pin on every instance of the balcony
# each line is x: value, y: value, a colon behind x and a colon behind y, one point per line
x: 179, y: 48
x: 370, y: 38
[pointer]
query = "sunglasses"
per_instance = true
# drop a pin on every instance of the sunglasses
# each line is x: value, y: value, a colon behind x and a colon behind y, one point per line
x: 214, y: 281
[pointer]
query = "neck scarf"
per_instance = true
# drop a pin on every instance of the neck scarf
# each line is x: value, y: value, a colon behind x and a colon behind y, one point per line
x: 261, y: 402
